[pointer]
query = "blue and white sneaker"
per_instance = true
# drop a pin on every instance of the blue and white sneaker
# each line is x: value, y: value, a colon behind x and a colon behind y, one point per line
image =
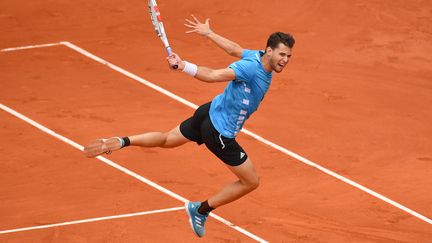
x: 196, y: 219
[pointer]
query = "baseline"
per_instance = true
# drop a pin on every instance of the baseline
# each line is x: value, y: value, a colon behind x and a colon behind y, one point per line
x: 81, y: 221
x: 30, y: 47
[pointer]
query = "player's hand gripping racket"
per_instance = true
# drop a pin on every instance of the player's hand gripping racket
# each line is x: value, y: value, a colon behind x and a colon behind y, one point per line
x: 159, y: 28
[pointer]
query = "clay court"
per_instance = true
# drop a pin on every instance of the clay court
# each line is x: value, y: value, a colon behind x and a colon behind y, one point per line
x: 342, y: 141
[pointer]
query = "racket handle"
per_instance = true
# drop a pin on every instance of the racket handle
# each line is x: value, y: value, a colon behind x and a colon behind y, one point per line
x: 169, y: 50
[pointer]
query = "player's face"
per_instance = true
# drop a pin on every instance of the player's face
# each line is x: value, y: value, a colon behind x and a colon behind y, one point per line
x: 279, y: 57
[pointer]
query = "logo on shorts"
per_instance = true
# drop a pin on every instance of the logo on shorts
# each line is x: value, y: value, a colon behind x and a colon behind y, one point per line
x: 242, y: 155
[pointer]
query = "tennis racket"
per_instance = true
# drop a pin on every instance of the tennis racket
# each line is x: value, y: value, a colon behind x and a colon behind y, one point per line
x: 159, y: 28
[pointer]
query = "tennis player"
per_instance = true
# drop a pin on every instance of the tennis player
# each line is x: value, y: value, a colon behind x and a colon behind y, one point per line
x: 217, y: 123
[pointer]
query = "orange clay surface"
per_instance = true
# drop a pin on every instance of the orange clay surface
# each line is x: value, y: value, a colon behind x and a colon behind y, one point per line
x: 356, y: 98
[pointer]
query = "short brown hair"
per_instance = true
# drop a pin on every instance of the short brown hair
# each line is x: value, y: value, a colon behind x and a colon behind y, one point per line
x: 280, y: 37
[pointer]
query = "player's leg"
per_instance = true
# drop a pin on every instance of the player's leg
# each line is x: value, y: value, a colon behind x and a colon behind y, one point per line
x: 188, y: 130
x: 171, y: 139
x: 236, y: 159
x: 248, y: 181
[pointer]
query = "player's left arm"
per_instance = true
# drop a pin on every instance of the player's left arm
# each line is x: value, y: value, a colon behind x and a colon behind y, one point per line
x: 229, y: 46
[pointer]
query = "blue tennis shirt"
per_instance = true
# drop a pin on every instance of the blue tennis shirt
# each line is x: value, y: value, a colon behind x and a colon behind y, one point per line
x: 242, y: 96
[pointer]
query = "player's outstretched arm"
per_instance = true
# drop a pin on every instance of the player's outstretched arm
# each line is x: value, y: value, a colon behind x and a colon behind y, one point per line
x: 204, y: 74
x: 230, y: 47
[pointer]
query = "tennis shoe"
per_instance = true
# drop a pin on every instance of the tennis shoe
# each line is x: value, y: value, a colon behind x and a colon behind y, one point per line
x: 196, y: 219
x: 101, y: 146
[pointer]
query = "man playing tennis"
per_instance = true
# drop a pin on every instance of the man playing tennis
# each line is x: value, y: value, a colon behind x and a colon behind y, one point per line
x: 217, y: 123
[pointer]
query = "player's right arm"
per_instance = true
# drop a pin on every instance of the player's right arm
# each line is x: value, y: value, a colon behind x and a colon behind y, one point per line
x: 201, y: 73
x: 209, y: 75
x: 203, y: 29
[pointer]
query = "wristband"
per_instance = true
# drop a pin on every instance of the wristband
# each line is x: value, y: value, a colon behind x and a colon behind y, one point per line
x: 125, y: 141
x: 190, y: 69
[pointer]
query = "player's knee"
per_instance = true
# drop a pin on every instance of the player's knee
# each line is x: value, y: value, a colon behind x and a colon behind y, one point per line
x: 165, y: 141
x: 172, y: 140
x: 253, y: 183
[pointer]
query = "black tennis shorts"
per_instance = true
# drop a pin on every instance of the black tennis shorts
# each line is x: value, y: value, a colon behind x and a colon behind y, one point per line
x: 200, y: 129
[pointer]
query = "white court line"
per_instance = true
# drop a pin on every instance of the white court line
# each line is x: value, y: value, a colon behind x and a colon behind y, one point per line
x: 123, y: 169
x: 257, y: 137
x: 130, y: 75
x: 90, y: 220
x: 30, y: 47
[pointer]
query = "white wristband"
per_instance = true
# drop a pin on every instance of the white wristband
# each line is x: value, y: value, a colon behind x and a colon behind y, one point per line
x: 190, y: 69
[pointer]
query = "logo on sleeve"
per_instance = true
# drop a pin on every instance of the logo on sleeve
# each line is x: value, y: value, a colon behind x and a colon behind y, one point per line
x: 242, y: 155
